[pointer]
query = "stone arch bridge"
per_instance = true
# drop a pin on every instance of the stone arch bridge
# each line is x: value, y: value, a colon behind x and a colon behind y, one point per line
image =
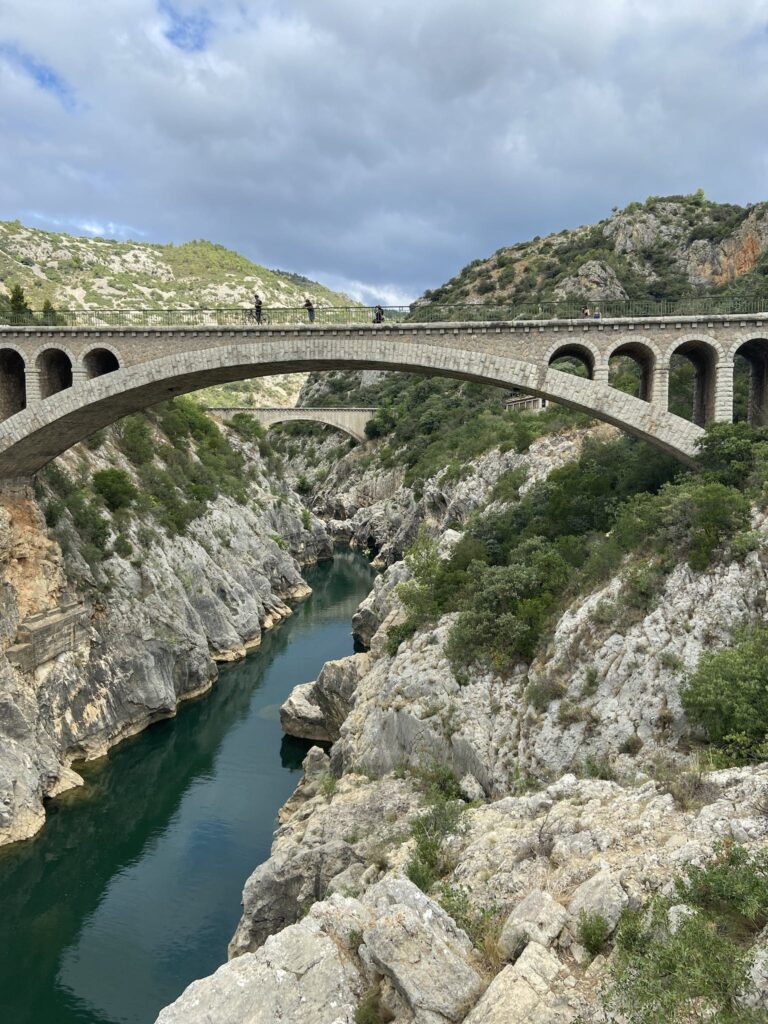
x: 59, y: 384
x: 351, y: 420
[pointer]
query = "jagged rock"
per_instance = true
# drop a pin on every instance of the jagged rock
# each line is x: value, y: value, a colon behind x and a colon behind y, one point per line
x: 321, y: 838
x: 380, y: 602
x: 316, y: 710
x: 420, y: 949
x: 538, y: 989
x: 594, y: 281
x: 756, y: 995
x: 300, y: 975
x: 538, y: 918
x: 602, y: 894
x: 300, y: 716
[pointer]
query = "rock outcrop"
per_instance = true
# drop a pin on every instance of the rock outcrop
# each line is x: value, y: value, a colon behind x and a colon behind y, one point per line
x: 157, y: 623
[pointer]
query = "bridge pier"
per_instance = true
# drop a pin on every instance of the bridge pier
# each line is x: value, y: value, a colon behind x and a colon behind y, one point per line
x: 659, y: 387
x: 34, y: 393
x: 722, y: 411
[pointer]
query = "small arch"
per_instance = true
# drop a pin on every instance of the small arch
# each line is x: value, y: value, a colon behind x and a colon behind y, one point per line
x: 574, y: 358
x: 55, y: 368
x: 750, y: 372
x: 13, y: 385
x: 99, y: 361
x: 692, y: 371
x: 631, y: 367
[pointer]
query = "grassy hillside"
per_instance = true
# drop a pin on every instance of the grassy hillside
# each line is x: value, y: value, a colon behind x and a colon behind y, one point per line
x: 668, y: 247
x: 98, y: 273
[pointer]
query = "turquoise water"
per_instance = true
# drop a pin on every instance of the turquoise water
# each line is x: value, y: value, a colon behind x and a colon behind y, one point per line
x: 133, y: 887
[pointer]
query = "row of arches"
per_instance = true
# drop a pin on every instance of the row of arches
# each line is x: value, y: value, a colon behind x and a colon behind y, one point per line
x: 54, y: 371
x: 686, y: 381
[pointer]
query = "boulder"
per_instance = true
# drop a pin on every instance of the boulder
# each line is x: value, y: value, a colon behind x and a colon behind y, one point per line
x: 601, y: 894
x: 538, y: 989
x: 539, y: 918
x: 421, y: 951
x: 302, y: 974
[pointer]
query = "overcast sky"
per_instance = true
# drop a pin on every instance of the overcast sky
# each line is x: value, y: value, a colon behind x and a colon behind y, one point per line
x: 375, y: 146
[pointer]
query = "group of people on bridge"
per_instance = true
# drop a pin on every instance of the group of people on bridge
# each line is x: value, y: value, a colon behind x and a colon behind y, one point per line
x: 595, y: 314
x: 258, y: 308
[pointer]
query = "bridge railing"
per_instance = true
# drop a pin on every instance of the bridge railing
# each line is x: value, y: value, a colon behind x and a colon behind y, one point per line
x: 426, y: 312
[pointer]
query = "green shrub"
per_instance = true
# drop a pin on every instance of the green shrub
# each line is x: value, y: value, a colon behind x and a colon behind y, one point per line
x: 699, y: 971
x: 483, y: 925
x: 122, y: 546
x: 306, y: 519
x: 727, y: 696
x: 592, y: 931
x: 115, y: 487
x: 135, y: 439
x: 370, y: 1010
x: 430, y: 830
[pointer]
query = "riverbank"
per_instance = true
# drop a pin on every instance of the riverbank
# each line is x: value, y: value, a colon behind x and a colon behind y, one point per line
x: 132, y: 889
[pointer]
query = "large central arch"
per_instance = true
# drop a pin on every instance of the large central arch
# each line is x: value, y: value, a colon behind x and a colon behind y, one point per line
x: 34, y: 436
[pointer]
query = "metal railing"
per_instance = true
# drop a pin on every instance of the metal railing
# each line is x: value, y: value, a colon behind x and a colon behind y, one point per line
x: 428, y: 312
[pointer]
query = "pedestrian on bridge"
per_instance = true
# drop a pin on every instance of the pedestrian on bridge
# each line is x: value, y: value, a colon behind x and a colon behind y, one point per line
x: 378, y: 315
x: 597, y: 314
x: 257, y: 307
x: 310, y: 310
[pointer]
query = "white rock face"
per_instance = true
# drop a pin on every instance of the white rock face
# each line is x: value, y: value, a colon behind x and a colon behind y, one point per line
x: 160, y: 621
x: 301, y: 974
x: 538, y: 918
x: 316, y: 971
x: 538, y: 989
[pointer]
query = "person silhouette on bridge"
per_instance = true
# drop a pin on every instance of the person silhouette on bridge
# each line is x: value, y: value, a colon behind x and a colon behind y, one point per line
x: 378, y: 315
x: 257, y: 307
x: 597, y: 314
x: 310, y: 310
x: 585, y: 311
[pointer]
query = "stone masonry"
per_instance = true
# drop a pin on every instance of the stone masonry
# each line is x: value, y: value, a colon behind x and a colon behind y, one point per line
x: 158, y: 363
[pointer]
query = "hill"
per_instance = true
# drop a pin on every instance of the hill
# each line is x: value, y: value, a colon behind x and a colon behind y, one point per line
x: 94, y: 273
x: 668, y: 247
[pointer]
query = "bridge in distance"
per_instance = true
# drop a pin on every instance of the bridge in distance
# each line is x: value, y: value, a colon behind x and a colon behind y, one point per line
x: 61, y: 382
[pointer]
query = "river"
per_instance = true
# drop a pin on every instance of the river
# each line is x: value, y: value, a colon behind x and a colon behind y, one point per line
x: 133, y: 887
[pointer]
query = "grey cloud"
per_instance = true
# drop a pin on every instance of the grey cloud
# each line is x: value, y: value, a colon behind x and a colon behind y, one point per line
x: 379, y: 145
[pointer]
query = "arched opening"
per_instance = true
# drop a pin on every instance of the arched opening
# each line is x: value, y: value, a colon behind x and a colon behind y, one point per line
x: 630, y: 369
x: 575, y: 358
x: 750, y: 382
x: 55, y: 369
x: 99, y: 361
x: 692, y: 382
x: 13, y: 390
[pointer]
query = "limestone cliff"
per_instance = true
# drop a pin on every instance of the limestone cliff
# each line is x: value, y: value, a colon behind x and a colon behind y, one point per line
x: 94, y: 652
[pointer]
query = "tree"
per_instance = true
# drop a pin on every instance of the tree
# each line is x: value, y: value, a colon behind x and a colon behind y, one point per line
x: 18, y: 304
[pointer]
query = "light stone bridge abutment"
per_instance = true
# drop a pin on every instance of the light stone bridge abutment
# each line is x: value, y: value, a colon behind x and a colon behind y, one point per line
x: 351, y: 420
x: 60, y: 384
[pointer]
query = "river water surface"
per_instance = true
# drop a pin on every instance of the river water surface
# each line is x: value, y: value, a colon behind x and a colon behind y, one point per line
x: 132, y: 889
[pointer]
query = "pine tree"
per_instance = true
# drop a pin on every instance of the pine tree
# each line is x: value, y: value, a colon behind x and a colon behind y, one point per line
x: 49, y: 313
x: 18, y: 302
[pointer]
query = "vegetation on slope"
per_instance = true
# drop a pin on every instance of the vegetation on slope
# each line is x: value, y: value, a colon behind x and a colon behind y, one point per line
x: 178, y: 461
x: 621, y: 506
x: 696, y: 968
x: 669, y: 247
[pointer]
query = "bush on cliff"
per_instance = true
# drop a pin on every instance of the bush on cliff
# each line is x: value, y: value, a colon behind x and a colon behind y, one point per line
x: 115, y: 487
x: 727, y: 696
x: 696, y: 969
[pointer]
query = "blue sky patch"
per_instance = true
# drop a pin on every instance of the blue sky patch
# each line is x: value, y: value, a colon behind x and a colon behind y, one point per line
x: 187, y: 32
x: 42, y: 74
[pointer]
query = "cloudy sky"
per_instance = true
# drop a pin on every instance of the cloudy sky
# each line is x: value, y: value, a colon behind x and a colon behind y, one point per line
x: 375, y: 146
